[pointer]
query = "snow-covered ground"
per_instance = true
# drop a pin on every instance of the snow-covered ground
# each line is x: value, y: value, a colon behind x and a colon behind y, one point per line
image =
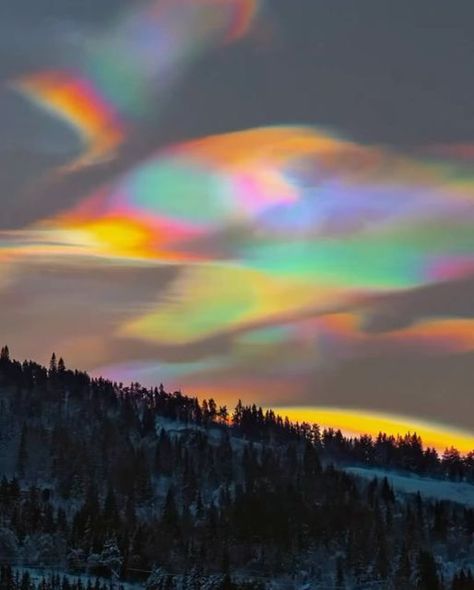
x: 176, y: 427
x: 38, y: 573
x: 463, y: 493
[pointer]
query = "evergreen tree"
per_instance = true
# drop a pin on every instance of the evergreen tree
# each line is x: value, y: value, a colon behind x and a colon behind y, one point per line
x: 403, y: 572
x: 111, y: 558
x: 340, y: 579
x: 223, y: 414
x: 61, y: 367
x: 253, y: 494
x: 4, y: 355
x: 53, y: 367
x: 427, y: 574
x: 22, y: 456
x: 170, y: 512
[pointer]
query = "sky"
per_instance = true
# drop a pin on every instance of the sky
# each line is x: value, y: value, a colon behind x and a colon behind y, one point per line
x: 254, y: 199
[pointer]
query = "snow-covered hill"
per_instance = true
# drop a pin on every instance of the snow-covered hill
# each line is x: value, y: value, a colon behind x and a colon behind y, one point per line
x: 463, y: 493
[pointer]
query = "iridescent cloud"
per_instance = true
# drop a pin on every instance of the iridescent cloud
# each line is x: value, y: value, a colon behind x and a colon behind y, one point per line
x: 150, y: 47
x: 285, y: 265
x: 126, y: 71
x: 277, y: 223
x: 283, y: 242
x: 77, y: 102
x: 345, y: 333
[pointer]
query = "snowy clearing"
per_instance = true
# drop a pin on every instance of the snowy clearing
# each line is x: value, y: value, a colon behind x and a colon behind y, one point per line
x: 463, y: 493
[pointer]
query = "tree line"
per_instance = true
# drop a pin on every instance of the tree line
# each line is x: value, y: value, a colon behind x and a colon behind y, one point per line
x: 109, y: 480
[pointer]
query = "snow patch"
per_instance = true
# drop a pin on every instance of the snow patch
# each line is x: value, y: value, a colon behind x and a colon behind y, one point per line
x: 462, y: 493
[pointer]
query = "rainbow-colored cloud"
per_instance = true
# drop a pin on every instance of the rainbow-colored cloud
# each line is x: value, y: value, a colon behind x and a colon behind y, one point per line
x: 283, y: 226
x: 285, y: 264
x: 126, y: 72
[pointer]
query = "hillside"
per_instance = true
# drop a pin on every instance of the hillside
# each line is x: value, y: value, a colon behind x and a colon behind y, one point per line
x: 460, y: 492
x: 150, y: 487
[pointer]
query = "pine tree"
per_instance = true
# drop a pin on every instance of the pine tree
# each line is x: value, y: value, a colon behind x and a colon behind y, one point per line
x: 212, y: 409
x: 148, y: 422
x: 130, y: 510
x: 5, y: 355
x: 111, y: 513
x: 238, y: 413
x: 22, y: 457
x: 403, y: 573
x: 223, y: 414
x: 170, y: 512
x: 111, y: 558
x: 340, y: 579
x: 382, y: 564
x: 427, y: 574
x: 61, y: 366
x: 53, y: 367
x: 143, y: 487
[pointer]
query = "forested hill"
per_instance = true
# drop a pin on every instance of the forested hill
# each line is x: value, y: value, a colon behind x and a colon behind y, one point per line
x: 124, y: 482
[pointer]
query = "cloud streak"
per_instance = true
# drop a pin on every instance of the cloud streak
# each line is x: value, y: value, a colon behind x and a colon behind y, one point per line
x: 284, y: 264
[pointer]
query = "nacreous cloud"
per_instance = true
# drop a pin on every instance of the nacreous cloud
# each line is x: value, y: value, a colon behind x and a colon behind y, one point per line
x: 291, y: 252
x: 124, y: 73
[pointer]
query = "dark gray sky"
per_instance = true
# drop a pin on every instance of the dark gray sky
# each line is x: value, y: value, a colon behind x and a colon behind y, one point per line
x: 381, y: 71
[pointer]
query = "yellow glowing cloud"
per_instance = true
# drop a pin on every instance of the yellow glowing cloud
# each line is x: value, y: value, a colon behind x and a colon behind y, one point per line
x: 115, y: 238
x: 356, y: 422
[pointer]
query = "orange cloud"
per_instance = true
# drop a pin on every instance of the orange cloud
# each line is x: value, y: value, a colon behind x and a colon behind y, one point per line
x: 77, y: 102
